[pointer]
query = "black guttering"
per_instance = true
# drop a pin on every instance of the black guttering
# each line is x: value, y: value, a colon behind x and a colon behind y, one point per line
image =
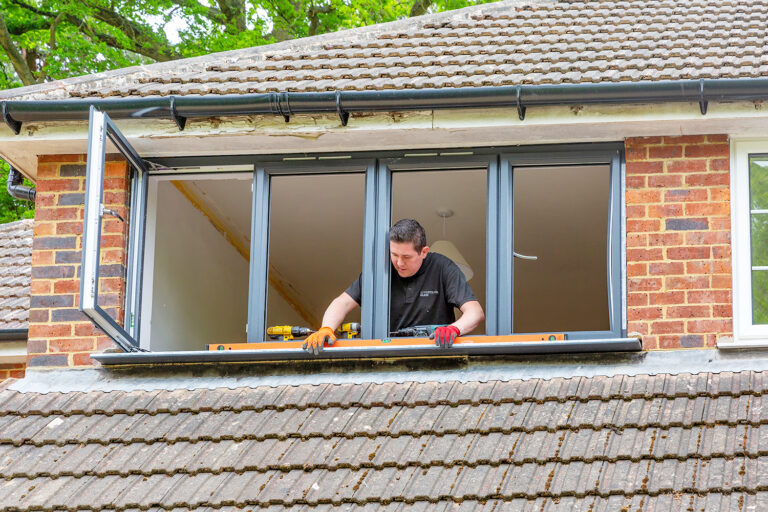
x: 16, y: 189
x: 14, y: 334
x: 179, y: 108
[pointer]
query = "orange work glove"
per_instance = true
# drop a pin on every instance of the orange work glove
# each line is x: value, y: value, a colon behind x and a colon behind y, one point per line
x: 315, y: 341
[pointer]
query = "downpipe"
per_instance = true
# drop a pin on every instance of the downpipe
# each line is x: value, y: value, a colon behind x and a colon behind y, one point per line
x: 16, y: 189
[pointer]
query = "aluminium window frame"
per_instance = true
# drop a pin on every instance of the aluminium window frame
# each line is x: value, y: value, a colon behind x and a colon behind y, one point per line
x: 746, y: 333
x: 378, y: 167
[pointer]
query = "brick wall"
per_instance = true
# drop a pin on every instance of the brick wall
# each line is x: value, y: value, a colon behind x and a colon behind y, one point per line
x: 678, y: 240
x: 59, y: 334
x: 13, y: 370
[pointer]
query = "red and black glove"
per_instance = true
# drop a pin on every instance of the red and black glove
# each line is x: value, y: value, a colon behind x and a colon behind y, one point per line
x: 315, y: 341
x: 445, y: 335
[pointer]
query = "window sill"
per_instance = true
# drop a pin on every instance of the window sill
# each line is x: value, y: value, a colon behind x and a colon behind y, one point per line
x: 728, y: 343
x: 477, y: 348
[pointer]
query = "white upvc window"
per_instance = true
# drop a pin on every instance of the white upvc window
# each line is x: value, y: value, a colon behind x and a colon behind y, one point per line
x: 749, y: 207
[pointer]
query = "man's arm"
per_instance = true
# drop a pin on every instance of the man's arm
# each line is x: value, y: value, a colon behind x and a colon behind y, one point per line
x: 471, y: 316
x: 338, y: 309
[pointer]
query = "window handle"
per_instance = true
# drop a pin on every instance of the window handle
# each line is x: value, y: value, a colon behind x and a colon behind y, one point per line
x: 523, y: 256
x: 105, y: 211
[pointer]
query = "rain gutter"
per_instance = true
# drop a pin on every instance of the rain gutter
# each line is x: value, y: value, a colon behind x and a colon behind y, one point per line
x: 13, y: 334
x: 476, y: 349
x: 344, y: 103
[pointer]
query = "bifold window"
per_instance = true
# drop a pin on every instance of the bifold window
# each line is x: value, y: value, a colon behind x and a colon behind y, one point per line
x: 750, y: 240
x: 242, y: 249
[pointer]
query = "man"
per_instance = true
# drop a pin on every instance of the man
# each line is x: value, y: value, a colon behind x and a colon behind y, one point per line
x: 424, y: 290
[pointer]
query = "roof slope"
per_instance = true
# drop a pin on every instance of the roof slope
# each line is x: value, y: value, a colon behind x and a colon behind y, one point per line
x: 508, y: 43
x: 687, y: 442
x: 15, y: 273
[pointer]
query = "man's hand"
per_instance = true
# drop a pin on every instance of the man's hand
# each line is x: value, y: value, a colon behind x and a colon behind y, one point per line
x: 445, y: 335
x: 315, y: 341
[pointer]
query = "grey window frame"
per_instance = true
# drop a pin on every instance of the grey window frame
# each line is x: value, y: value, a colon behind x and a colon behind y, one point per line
x: 378, y: 167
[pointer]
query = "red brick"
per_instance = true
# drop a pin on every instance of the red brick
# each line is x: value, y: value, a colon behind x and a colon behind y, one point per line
x: 112, y: 241
x: 719, y: 223
x: 635, y: 226
x: 17, y: 374
x: 642, y: 141
x: 637, y: 327
x: 60, y: 185
x: 39, y: 315
x: 66, y: 286
x: 115, y: 170
x: 721, y: 252
x: 708, y: 151
x: 722, y: 311
x: 665, y: 180
x: 709, y: 326
x: 669, y: 342
x: 115, y: 184
x: 685, y: 139
x: 722, y: 281
x: 664, y: 152
x: 686, y: 282
x: 643, y: 284
x: 666, y: 268
x: 57, y: 213
x: 666, y: 298
x: 674, y: 166
x: 69, y: 228
x: 71, y: 344
x: 634, y: 182
x: 45, y: 200
x: 717, y: 137
x: 706, y: 180
x: 649, y: 313
x: 38, y: 287
x: 719, y: 194
x: 87, y: 329
x: 49, y: 331
x: 708, y: 238
x: 688, y: 253
x: 707, y: 208
x: 61, y: 159
x: 635, y: 211
x: 37, y: 346
x: 643, y: 196
x: 634, y: 255
x: 667, y: 327
x: 103, y: 343
x: 637, y: 269
x: 665, y: 239
x: 707, y: 267
x: 688, y: 312
x: 637, y: 299
x: 686, y: 194
x: 663, y: 211
x: 650, y: 342
x: 637, y: 240
x: 719, y: 164
x: 636, y: 153
x: 655, y: 167
x: 47, y: 171
x: 83, y: 359
x: 709, y: 297
x: 44, y: 228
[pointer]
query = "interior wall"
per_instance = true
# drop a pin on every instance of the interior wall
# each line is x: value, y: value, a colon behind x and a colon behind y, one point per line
x: 200, y: 288
x: 561, y: 216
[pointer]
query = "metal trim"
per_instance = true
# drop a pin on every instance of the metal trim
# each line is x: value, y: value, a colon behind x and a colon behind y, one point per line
x: 294, y: 354
x: 259, y: 264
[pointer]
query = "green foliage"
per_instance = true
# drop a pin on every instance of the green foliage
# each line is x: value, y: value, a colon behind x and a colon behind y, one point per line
x: 12, y: 209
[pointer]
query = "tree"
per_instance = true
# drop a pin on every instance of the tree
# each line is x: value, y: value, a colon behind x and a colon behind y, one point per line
x: 44, y: 40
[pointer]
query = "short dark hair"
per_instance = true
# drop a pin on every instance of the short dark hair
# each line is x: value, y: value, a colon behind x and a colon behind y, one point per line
x: 408, y: 230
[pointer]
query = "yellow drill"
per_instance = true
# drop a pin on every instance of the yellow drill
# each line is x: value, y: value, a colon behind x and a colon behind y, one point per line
x: 287, y: 332
x: 350, y: 330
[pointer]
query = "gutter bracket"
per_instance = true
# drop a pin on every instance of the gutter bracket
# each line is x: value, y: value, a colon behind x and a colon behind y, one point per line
x: 11, y: 122
x: 344, y: 116
x: 280, y: 105
x: 703, y: 103
x: 520, y: 108
x: 180, y: 121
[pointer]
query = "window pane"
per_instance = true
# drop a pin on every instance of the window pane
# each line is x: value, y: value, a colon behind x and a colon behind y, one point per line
x: 561, y: 216
x: 759, y: 235
x: 758, y: 182
x: 420, y: 195
x: 760, y: 296
x: 315, y: 245
x: 200, y: 263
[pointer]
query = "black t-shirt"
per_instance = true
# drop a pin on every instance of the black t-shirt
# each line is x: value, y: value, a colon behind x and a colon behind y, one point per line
x: 427, y: 297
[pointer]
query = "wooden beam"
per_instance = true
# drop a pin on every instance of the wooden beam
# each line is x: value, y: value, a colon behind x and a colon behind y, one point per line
x: 285, y: 290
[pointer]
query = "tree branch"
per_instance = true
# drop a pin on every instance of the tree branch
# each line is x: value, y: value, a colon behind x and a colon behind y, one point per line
x: 420, y: 7
x: 19, y: 64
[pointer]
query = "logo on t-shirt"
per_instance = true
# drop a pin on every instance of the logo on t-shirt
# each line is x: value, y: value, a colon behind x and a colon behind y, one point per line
x: 427, y: 293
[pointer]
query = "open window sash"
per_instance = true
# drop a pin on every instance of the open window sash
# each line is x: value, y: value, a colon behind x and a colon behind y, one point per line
x: 101, y: 128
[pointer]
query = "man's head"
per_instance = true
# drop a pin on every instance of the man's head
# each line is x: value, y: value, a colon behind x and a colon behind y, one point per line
x: 407, y: 247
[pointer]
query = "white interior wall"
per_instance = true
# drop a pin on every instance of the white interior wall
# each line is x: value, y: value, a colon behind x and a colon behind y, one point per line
x: 200, y: 288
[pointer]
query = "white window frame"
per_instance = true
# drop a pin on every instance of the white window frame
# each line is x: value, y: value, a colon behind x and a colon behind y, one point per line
x: 746, y: 334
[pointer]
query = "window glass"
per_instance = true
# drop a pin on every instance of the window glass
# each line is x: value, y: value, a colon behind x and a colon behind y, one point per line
x: 315, y: 245
x: 561, y: 217
x: 200, y: 262
x: 758, y: 193
x: 451, y: 205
